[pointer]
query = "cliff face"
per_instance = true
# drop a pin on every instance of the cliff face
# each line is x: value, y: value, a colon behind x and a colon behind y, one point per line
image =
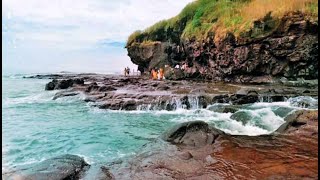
x: 289, y: 50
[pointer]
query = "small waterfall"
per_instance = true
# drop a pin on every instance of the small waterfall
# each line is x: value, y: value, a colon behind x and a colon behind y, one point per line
x: 172, y: 103
x: 194, y: 102
x: 265, y: 98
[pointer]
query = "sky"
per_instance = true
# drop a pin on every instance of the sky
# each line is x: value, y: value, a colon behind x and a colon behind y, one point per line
x: 41, y: 36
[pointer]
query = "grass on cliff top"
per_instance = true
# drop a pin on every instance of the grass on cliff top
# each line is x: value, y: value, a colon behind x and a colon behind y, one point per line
x: 202, y: 17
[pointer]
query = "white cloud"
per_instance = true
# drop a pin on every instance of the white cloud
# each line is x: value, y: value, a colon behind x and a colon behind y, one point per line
x: 65, y: 25
x: 96, y: 18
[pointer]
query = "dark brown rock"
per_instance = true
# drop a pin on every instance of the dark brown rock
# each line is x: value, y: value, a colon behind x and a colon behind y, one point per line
x: 57, y: 168
x: 194, y: 134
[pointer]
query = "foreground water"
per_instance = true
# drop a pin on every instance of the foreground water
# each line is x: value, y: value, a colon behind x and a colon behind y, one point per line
x: 35, y: 127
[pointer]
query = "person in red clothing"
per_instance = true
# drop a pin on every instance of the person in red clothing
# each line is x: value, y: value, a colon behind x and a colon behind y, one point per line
x: 161, y: 73
x: 154, y: 75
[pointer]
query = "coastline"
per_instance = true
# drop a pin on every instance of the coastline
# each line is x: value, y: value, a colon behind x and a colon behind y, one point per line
x: 295, y: 140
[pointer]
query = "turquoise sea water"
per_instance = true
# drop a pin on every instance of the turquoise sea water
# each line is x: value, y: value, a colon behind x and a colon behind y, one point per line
x: 35, y: 127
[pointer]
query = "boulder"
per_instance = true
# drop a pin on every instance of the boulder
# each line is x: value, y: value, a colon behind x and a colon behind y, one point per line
x: 296, y: 119
x: 221, y: 99
x: 238, y: 99
x: 59, y: 84
x: 192, y: 134
x: 64, y: 84
x: 57, y: 168
x: 51, y: 85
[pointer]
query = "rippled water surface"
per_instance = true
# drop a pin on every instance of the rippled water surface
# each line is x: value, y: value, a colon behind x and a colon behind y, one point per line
x: 35, y: 127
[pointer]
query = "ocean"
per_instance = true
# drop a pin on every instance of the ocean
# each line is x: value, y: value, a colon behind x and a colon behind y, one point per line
x: 35, y: 127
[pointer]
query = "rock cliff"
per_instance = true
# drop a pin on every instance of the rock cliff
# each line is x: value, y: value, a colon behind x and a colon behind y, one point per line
x: 285, y: 47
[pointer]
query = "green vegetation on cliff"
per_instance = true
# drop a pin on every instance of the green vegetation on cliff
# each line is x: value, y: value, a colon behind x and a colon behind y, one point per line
x: 203, y: 17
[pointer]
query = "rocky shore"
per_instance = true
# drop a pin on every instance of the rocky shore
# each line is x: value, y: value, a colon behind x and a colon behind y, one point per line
x: 141, y: 93
x: 192, y: 150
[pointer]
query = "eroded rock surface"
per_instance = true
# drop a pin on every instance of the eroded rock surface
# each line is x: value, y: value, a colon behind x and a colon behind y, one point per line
x: 57, y: 168
x: 291, y: 154
x: 140, y: 93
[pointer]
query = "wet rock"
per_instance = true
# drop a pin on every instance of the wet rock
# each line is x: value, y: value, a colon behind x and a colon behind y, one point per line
x: 59, y: 84
x: 203, y: 101
x: 78, y: 81
x: 239, y: 99
x: 241, y: 116
x: 51, y: 85
x: 57, y: 168
x: 90, y: 99
x: 105, y: 174
x: 64, y: 84
x: 221, y: 99
x: 64, y: 94
x: 106, y: 88
x: 112, y: 105
x: 185, y: 102
x: 193, y: 134
x: 92, y: 87
x: 171, y: 107
x: 304, y: 102
x: 283, y: 111
x: 129, y: 105
x: 163, y: 87
x: 296, y: 119
x: 224, y: 108
x: 46, y: 76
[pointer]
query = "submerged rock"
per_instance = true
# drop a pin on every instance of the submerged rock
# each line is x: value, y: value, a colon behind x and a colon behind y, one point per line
x: 57, y: 168
x: 224, y: 108
x: 241, y: 116
x: 283, y: 111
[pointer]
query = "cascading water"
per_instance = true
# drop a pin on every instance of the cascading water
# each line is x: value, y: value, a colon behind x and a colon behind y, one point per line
x: 172, y: 103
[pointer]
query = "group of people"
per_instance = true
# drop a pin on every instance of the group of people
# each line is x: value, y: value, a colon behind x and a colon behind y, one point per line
x: 157, y: 74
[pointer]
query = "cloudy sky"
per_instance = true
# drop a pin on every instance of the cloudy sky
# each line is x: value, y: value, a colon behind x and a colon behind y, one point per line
x: 75, y: 35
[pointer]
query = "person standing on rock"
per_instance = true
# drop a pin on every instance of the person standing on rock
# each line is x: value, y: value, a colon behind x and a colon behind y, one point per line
x: 128, y: 71
x: 154, y: 74
x: 161, y: 72
x: 125, y: 71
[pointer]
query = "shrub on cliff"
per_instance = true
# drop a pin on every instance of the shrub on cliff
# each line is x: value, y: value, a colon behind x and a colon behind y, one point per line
x: 203, y: 17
